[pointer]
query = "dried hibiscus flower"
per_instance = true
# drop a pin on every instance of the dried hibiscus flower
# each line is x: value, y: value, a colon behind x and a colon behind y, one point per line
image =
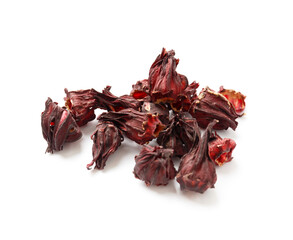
x: 81, y: 104
x: 106, y: 140
x: 158, y: 109
x: 110, y: 102
x: 237, y: 99
x: 140, y: 90
x: 210, y: 105
x: 165, y: 83
x: 137, y: 126
x: 181, y: 134
x: 197, y: 170
x: 154, y: 165
x: 220, y: 150
x: 58, y: 126
x: 184, y: 100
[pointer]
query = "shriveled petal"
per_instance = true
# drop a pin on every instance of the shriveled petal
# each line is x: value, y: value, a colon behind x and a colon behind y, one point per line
x: 154, y: 165
x: 165, y: 83
x: 106, y: 140
x: 137, y: 126
x: 220, y: 150
x: 237, y: 99
x: 197, y: 171
x: 58, y: 126
x: 210, y: 105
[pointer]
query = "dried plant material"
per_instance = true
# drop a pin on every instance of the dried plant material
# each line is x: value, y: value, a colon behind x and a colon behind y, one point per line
x: 237, y: 99
x: 157, y: 109
x: 220, y: 150
x: 110, y: 102
x: 210, y: 105
x: 106, y: 140
x: 58, y: 126
x: 165, y: 83
x: 154, y: 165
x: 181, y: 134
x: 184, y: 100
x: 137, y: 126
x: 141, y: 90
x: 197, y: 171
x: 162, y: 107
x: 81, y: 104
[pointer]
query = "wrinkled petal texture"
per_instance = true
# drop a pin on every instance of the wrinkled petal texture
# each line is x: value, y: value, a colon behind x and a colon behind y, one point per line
x: 184, y: 100
x: 237, y: 99
x: 81, y: 104
x: 137, y: 126
x: 197, y: 171
x: 154, y: 165
x: 156, y: 109
x: 58, y: 126
x: 110, y: 102
x: 220, y: 150
x: 140, y: 90
x: 181, y: 134
x: 165, y: 83
x: 106, y: 140
x: 211, y: 105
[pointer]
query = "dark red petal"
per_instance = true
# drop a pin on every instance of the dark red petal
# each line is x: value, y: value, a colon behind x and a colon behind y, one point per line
x: 154, y: 165
x: 220, y: 150
x: 165, y: 83
x: 237, y: 99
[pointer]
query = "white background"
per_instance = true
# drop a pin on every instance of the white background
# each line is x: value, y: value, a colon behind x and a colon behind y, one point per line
x: 46, y: 46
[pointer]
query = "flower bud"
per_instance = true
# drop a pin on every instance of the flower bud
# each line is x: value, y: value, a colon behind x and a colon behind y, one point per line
x: 165, y: 83
x: 137, y: 126
x: 58, y: 126
x: 181, y: 134
x: 154, y: 165
x: 197, y: 171
x: 81, y: 104
x: 106, y: 140
x: 210, y: 105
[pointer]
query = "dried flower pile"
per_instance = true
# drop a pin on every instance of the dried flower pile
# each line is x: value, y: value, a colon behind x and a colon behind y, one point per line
x: 164, y: 107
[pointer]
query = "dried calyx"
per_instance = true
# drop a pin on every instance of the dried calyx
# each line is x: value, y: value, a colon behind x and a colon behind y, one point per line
x: 197, y: 171
x: 165, y: 83
x: 181, y: 134
x: 106, y: 140
x: 210, y: 105
x: 163, y: 107
x: 58, y: 126
x: 138, y: 126
x: 154, y: 165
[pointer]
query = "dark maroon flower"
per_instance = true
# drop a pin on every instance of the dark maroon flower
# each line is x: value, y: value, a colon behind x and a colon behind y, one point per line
x: 110, y: 102
x: 220, y: 150
x: 210, y: 105
x: 58, y: 126
x: 106, y: 140
x: 154, y: 165
x: 137, y: 126
x: 197, y: 171
x: 237, y: 99
x: 181, y: 134
x: 184, y: 99
x: 81, y: 104
x: 158, y: 109
x: 141, y: 90
x: 165, y: 83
